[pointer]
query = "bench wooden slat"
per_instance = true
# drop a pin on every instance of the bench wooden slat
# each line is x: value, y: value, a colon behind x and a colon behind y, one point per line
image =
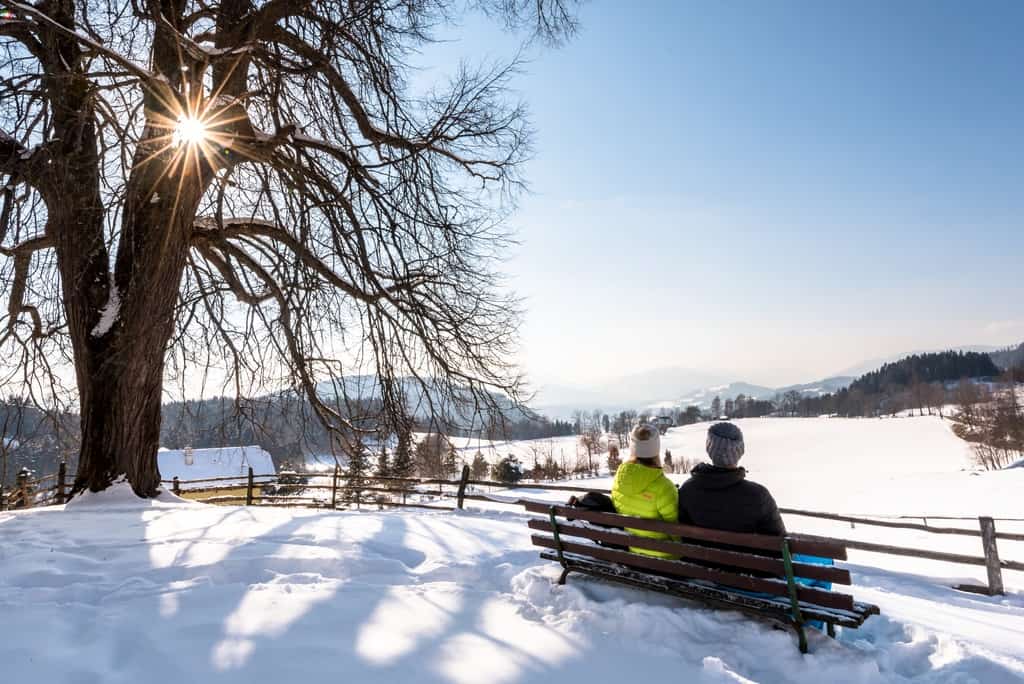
x: 797, y: 544
x: 699, y: 553
x: 689, y: 570
x: 778, y: 609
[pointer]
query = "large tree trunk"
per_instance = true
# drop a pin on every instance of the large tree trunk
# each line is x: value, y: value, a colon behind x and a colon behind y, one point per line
x: 120, y: 350
x: 120, y: 378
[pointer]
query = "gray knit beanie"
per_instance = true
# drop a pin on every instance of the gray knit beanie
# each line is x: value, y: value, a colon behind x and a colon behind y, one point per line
x: 725, y: 445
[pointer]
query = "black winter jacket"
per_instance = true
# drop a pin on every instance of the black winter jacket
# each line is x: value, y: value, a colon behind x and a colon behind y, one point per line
x: 723, y: 499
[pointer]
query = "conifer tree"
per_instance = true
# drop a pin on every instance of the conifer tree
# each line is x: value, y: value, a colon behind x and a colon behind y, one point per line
x: 383, y: 464
x: 402, y: 465
x: 358, y: 466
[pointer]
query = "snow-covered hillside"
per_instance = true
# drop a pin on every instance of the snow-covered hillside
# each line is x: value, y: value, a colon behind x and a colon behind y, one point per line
x: 118, y: 590
x: 874, y: 465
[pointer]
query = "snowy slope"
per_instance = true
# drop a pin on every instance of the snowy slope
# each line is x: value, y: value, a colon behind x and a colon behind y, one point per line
x: 117, y: 590
x: 880, y: 466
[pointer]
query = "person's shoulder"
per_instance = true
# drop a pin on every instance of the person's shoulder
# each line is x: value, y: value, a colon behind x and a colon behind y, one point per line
x: 665, y: 483
x: 757, y: 488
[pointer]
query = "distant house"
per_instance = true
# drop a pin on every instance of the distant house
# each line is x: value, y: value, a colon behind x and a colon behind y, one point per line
x: 197, y: 464
x: 663, y: 423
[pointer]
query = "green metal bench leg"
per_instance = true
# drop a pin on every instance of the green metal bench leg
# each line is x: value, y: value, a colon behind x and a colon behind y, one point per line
x: 801, y: 636
x: 558, y: 546
x: 794, y: 602
x: 832, y: 630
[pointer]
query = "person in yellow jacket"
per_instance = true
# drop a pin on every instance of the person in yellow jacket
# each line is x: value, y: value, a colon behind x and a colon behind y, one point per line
x: 641, y: 489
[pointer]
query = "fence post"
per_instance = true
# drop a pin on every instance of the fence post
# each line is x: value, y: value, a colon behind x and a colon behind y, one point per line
x: 248, y: 489
x: 334, y: 488
x: 462, y: 483
x: 62, y: 472
x: 176, y: 486
x: 988, y: 541
x: 22, y: 484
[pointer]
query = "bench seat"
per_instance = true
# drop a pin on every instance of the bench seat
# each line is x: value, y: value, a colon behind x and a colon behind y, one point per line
x: 759, y: 575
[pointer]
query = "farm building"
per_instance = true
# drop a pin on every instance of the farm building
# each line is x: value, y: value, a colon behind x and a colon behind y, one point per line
x: 196, y: 464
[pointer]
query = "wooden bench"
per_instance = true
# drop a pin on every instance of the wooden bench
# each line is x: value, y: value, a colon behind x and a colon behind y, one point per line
x: 751, y: 573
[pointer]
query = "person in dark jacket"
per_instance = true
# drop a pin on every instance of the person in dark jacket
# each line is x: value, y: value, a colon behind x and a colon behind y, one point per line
x: 719, y: 496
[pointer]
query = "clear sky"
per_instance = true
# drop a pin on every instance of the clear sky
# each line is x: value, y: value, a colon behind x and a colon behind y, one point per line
x: 774, y: 189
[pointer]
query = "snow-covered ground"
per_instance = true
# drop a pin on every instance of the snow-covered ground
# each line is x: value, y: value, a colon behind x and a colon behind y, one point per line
x: 117, y: 590
x: 114, y: 589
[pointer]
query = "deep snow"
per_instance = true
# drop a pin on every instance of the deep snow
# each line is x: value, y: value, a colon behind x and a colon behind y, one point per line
x: 118, y: 590
x: 114, y: 589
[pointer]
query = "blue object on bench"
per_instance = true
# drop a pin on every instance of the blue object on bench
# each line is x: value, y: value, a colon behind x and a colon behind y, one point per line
x: 821, y: 584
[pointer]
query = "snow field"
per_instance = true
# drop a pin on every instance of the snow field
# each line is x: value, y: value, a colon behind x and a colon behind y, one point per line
x: 116, y: 590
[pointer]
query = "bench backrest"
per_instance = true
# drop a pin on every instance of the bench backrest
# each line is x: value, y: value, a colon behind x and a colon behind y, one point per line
x: 721, y: 557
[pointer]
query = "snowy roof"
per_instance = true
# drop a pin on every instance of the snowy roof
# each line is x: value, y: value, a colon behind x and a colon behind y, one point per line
x: 218, y: 462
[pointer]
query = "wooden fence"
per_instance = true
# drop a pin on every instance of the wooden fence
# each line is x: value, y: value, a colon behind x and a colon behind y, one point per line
x: 42, y: 491
x: 395, y: 492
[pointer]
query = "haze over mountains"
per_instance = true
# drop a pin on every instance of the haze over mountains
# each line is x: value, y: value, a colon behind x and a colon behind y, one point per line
x: 678, y: 387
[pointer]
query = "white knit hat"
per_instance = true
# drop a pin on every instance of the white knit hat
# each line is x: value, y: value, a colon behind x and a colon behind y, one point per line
x: 645, y: 443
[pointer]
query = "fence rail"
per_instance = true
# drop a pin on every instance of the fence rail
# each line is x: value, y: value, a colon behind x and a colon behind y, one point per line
x: 263, y: 490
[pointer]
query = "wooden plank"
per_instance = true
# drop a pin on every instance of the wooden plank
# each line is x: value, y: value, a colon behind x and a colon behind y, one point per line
x: 920, y: 553
x: 880, y: 523
x: 818, y: 546
x: 776, y: 610
x: 241, y: 478
x: 677, y: 568
x: 706, y: 554
x: 526, y: 485
x: 1008, y: 536
x: 427, y: 507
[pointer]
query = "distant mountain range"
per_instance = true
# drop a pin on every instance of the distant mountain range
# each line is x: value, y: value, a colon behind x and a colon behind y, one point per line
x: 704, y: 397
x: 680, y: 387
x: 626, y: 392
x: 454, y: 403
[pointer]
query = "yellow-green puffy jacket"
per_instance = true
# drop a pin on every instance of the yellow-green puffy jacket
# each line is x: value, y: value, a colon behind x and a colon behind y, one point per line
x: 645, y: 492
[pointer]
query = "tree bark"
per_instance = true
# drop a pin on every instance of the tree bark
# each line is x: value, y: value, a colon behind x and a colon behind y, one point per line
x: 121, y: 350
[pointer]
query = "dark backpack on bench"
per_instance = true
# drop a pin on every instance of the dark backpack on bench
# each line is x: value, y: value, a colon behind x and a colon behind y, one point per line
x: 597, y: 502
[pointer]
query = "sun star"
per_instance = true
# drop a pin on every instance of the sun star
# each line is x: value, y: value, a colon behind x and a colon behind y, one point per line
x: 189, y: 131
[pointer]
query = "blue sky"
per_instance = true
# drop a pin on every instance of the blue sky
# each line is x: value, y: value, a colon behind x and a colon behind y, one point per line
x: 776, y: 190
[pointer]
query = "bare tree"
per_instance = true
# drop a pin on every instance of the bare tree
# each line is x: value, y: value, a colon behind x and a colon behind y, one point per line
x: 590, y: 440
x: 614, y: 460
x: 251, y: 188
x: 11, y: 425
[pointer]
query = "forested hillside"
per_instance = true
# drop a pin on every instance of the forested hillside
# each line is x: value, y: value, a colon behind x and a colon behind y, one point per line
x: 940, y: 367
x: 1010, y: 357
